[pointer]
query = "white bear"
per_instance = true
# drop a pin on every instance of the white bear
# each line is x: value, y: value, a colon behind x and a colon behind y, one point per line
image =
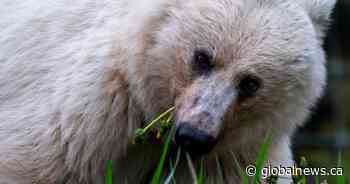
x: 78, y: 77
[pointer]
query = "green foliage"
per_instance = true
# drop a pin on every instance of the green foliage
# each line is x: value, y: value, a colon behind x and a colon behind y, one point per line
x: 301, y: 179
x: 200, y: 175
x: 262, y: 157
x: 219, y: 169
x: 165, y: 132
x: 109, y: 173
x: 139, y: 136
x: 340, y: 179
x: 242, y: 172
x: 317, y: 180
x: 173, y: 167
x: 158, y: 173
x: 164, y: 119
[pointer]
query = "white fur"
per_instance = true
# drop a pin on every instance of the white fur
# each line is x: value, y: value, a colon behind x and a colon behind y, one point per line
x: 61, y: 117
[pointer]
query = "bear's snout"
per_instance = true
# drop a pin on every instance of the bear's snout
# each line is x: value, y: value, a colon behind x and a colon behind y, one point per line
x: 200, y: 112
x: 196, y: 142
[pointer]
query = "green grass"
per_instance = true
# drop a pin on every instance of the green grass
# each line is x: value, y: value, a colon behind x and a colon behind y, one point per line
x: 262, y: 157
x: 165, y: 132
x: 170, y: 177
x: 219, y: 169
x: 340, y: 179
x: 158, y: 173
x: 109, y: 173
x: 200, y: 174
x: 163, y: 119
x: 242, y: 172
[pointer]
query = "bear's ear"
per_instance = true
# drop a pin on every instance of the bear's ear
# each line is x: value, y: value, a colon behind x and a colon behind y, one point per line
x: 319, y: 12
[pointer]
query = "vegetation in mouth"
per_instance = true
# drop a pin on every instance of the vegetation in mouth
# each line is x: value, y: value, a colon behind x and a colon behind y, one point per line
x: 162, y: 128
x: 165, y: 120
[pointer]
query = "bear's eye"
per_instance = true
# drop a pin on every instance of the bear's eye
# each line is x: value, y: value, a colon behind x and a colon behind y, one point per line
x: 202, y: 62
x: 248, y: 86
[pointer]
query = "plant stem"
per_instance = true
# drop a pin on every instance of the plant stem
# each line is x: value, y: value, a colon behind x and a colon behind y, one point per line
x: 157, y: 119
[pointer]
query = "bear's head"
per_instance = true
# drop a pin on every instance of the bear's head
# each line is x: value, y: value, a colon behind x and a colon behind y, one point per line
x: 236, y: 69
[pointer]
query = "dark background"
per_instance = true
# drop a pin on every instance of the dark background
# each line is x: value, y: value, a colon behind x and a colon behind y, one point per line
x: 327, y: 132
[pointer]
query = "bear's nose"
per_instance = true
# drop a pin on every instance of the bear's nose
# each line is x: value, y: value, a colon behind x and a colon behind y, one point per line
x: 195, y: 142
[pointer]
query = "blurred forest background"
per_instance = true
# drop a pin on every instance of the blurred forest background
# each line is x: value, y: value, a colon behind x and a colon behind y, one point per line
x: 327, y: 131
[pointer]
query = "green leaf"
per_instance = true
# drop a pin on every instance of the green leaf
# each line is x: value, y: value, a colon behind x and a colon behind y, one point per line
x: 317, y: 180
x: 242, y: 173
x: 303, y: 162
x: 262, y: 157
x: 340, y: 179
x: 301, y: 179
x: 191, y: 168
x: 139, y: 136
x: 161, y: 116
x: 219, y: 169
x: 158, y: 173
x: 173, y: 167
x: 109, y: 173
x: 200, y: 175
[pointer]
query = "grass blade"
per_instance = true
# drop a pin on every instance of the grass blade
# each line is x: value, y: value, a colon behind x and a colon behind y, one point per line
x: 262, y: 157
x: 157, y: 175
x: 317, y: 180
x: 200, y: 175
x: 109, y: 173
x: 242, y: 173
x: 173, y: 168
x: 219, y: 169
x: 191, y: 167
x: 340, y: 179
x: 158, y: 118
